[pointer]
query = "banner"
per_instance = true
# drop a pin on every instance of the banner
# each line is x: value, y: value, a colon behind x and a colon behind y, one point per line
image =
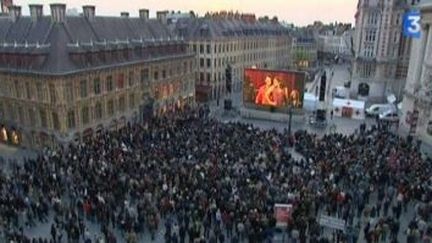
x: 282, y: 214
x: 332, y: 222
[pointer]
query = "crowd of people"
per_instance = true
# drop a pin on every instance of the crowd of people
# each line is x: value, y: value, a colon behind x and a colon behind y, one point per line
x: 201, y: 180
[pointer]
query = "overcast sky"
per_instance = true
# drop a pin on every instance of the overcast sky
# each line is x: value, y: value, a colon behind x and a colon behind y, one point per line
x: 299, y: 12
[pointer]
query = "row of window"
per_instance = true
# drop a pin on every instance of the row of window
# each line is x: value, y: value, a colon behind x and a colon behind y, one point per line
x: 100, y: 110
x: 368, y: 51
x: 41, y: 117
x: 370, y: 35
x: 232, y: 47
x: 18, y: 115
x: 366, y: 70
x: 95, y: 87
x: 373, y: 18
x: 221, y: 62
x: 164, y: 91
x: 86, y: 87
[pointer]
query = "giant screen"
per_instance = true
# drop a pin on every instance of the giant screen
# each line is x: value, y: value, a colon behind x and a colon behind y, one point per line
x: 272, y: 89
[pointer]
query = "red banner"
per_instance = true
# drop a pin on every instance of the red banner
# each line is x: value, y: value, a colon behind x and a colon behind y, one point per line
x: 282, y: 214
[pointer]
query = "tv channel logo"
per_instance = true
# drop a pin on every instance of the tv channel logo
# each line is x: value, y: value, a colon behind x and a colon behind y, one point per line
x: 411, y: 24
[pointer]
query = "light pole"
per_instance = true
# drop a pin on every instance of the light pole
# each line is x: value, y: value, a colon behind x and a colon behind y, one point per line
x: 289, y: 119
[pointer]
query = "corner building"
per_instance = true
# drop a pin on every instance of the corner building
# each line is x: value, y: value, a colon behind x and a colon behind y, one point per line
x: 63, y: 78
x: 416, y: 117
x: 236, y: 40
x: 382, y: 52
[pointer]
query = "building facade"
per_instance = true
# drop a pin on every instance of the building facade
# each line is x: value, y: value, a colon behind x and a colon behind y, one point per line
x: 232, y: 41
x: 63, y: 78
x: 304, y: 51
x: 417, y: 102
x: 381, y: 51
x: 336, y: 45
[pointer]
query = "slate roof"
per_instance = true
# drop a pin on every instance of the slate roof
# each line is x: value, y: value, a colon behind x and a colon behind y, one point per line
x: 211, y: 28
x: 55, y: 39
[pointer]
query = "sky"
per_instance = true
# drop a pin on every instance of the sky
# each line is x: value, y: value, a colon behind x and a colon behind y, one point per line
x: 298, y: 12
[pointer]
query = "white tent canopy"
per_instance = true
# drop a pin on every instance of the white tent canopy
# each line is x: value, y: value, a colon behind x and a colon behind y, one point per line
x: 354, y: 109
x: 310, y: 102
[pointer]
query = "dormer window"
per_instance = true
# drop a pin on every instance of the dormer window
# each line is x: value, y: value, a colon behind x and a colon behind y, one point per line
x: 126, y: 53
x: 88, y: 58
x: 102, y: 56
x: 138, y: 50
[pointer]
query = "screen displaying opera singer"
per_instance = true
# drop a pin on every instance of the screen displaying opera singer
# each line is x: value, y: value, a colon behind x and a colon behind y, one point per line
x: 274, y: 89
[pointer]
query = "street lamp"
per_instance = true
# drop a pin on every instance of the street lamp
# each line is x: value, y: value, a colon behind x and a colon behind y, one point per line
x: 289, y: 119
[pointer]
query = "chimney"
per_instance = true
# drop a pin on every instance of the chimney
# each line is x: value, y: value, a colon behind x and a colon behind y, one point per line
x: 58, y: 12
x: 124, y: 14
x: 89, y: 12
x: 162, y: 16
x: 14, y: 12
x: 144, y: 14
x: 36, y: 11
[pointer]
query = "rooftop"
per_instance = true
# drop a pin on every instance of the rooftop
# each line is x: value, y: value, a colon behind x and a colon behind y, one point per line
x: 218, y: 26
x: 56, y: 36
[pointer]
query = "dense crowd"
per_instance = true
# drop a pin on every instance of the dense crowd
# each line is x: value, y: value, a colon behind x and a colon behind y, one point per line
x: 206, y: 181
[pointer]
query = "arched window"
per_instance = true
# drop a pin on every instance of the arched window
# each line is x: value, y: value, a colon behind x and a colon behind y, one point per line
x: 363, y: 89
x: 3, y: 134
x: 85, y: 115
x: 56, y: 122
x: 98, y: 111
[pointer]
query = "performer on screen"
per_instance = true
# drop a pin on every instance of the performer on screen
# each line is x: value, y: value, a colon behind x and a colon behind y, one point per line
x: 263, y: 97
x: 279, y: 94
x: 295, y: 98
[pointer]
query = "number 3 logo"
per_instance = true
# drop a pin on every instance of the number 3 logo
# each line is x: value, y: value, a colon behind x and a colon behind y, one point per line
x: 414, y: 24
x: 412, y: 27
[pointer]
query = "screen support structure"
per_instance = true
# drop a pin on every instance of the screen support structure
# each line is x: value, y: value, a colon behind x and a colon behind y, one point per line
x: 289, y: 119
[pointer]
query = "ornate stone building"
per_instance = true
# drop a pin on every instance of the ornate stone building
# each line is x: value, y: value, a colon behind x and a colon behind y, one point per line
x: 63, y: 78
x: 417, y: 102
x: 237, y: 40
x: 381, y: 51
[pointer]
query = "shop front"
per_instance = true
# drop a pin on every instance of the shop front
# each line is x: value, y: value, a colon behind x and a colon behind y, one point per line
x: 10, y: 135
x: 203, y: 93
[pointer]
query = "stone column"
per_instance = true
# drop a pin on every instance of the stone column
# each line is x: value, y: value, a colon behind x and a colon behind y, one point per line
x: 426, y: 54
x: 421, y: 55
